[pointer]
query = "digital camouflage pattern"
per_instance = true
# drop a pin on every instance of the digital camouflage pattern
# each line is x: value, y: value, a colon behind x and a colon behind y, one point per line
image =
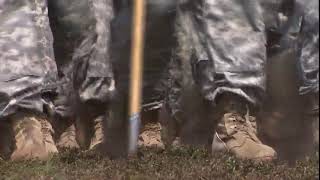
x: 228, y: 52
x: 66, y: 73
x: 231, y: 55
x: 28, y: 73
x: 224, y: 47
x: 82, y: 47
x: 308, y: 45
x: 294, y: 25
x: 31, y: 75
x: 221, y: 48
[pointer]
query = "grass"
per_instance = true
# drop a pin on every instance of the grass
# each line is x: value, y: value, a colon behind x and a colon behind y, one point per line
x: 157, y: 164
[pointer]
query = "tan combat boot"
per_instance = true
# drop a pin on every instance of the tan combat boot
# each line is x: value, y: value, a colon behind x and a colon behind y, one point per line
x: 151, y: 136
x: 33, y: 137
x: 98, y: 135
x: 238, y: 134
x: 67, y: 138
x: 47, y: 131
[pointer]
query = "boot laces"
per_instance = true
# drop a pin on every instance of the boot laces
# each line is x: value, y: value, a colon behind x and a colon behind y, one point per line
x: 46, y: 129
x: 243, y: 125
x: 70, y: 131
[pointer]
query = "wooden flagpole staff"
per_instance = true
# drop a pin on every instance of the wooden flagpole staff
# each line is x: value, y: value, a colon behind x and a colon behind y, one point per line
x: 136, y: 74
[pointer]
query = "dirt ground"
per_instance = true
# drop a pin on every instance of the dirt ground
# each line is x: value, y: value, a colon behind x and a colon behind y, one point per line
x: 153, y: 162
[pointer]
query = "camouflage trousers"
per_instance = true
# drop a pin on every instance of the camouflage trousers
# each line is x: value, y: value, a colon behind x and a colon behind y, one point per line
x: 55, y: 60
x: 42, y: 69
x: 28, y: 73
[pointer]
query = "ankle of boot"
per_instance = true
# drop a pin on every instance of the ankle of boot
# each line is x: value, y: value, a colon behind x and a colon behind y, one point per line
x: 231, y: 103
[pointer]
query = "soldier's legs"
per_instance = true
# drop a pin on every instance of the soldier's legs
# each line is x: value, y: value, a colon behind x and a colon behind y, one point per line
x: 308, y: 65
x: 28, y: 77
x: 84, y: 64
x: 159, y: 37
x: 229, y: 81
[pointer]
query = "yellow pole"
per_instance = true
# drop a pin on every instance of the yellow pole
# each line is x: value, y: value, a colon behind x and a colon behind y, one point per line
x: 136, y: 75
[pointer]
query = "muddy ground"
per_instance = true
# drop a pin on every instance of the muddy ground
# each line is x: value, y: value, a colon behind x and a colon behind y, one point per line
x: 153, y: 162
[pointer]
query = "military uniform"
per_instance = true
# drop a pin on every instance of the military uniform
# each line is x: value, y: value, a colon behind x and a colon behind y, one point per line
x: 28, y: 76
x: 159, y: 41
x: 48, y: 76
x: 292, y: 87
x: 309, y: 63
x: 221, y: 60
x: 83, y: 56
